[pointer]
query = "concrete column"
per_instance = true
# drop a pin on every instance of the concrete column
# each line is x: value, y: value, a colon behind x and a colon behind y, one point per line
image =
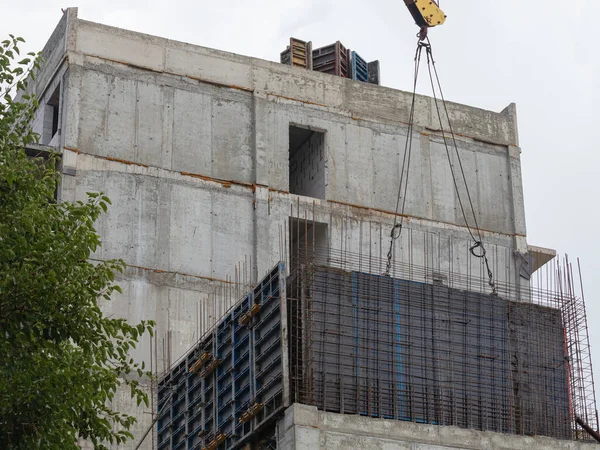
x: 520, y: 229
x: 68, y: 183
x: 426, y: 182
x: 298, y: 430
x: 262, y: 237
x: 516, y: 183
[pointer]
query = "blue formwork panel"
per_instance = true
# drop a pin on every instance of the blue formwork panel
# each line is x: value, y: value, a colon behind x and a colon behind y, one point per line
x: 231, y: 383
x: 359, y: 68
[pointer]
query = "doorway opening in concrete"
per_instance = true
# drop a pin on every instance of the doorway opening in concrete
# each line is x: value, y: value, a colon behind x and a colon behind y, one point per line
x: 51, y: 117
x: 308, y: 175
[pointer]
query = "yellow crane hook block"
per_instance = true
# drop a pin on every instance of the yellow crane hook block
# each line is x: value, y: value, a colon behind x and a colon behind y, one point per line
x: 426, y: 12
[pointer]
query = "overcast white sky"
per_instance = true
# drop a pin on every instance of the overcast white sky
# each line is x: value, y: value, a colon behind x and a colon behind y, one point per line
x: 541, y: 55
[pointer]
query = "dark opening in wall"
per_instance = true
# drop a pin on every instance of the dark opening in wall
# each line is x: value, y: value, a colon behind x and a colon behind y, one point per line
x: 51, y: 117
x: 308, y: 175
x: 42, y: 157
x: 308, y: 241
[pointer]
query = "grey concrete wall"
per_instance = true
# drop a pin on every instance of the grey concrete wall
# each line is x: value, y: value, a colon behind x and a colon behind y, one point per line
x: 210, y: 131
x: 165, y: 117
x: 184, y: 224
x: 192, y: 146
x: 306, y: 428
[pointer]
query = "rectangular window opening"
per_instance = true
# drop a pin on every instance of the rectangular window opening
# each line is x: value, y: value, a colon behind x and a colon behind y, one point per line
x: 51, y: 117
x: 307, y: 162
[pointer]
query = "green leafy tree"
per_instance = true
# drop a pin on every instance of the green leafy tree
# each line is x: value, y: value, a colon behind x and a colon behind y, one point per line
x: 61, y: 359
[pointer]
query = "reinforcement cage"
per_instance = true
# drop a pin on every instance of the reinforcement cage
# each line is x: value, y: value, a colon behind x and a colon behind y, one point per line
x: 437, y: 352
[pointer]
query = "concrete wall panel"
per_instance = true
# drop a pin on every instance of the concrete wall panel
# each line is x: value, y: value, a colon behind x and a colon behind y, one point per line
x: 121, y: 121
x: 232, y: 232
x: 191, y: 230
x: 192, y: 132
x: 444, y: 204
x: 207, y: 67
x: 387, y: 158
x: 152, y: 107
x: 357, y: 154
x: 493, y: 194
x: 232, y: 140
x: 267, y: 140
x: 119, y: 46
x: 94, y: 94
x: 145, y: 214
x: 335, y: 440
x: 311, y: 87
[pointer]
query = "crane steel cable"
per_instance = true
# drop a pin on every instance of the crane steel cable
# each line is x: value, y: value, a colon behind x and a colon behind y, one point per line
x: 397, y: 228
x: 478, y: 242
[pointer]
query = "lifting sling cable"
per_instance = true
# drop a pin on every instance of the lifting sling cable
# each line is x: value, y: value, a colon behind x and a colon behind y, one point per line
x: 403, y: 186
x: 479, y: 239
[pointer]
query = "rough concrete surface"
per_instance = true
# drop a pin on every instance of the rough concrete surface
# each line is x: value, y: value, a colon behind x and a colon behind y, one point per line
x: 305, y: 427
x: 192, y: 146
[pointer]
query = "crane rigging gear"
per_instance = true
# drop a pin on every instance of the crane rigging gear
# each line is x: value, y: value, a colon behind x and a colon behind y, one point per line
x: 426, y: 13
x: 477, y: 249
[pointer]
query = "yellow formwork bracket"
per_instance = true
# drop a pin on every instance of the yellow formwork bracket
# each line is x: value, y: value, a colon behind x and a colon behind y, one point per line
x: 210, y: 368
x: 245, y: 319
x: 214, y: 444
x: 200, y: 362
x: 252, y: 412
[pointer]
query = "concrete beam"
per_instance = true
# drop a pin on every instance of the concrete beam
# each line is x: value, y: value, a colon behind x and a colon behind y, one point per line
x: 305, y: 427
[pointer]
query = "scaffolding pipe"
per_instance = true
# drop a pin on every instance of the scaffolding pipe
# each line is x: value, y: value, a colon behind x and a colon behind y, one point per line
x: 587, y: 428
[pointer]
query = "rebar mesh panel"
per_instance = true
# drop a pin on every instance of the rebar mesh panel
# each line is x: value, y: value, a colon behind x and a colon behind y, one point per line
x: 426, y: 353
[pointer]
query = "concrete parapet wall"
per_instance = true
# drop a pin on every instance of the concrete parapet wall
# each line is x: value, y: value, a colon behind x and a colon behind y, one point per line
x: 213, y: 66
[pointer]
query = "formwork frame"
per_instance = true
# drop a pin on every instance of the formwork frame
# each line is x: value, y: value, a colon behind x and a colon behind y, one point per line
x: 233, y: 383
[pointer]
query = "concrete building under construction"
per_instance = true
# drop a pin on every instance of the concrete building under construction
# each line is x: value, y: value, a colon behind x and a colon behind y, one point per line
x: 253, y: 203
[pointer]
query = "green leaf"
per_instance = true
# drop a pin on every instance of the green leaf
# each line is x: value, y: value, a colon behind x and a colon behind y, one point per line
x: 61, y: 358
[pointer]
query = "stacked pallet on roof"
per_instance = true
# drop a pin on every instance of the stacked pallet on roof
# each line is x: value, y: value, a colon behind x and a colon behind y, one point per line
x: 297, y: 54
x: 359, y: 68
x: 334, y: 59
